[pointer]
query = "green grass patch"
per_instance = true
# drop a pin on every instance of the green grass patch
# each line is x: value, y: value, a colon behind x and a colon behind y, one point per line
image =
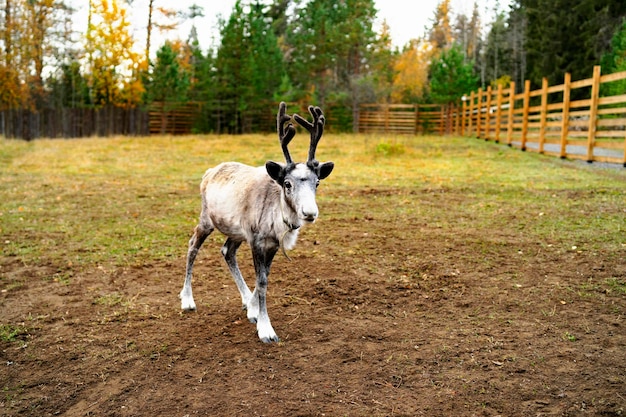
x: 131, y: 201
x: 11, y: 333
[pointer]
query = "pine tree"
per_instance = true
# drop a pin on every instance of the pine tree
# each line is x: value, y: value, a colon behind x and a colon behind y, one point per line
x: 328, y: 44
x: 450, y: 76
x: 614, y: 61
x: 441, y: 31
x: 69, y: 89
x: 497, y: 51
x: 564, y: 36
x: 168, y: 82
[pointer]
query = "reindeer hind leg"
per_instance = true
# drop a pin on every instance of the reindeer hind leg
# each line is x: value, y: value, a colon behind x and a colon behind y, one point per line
x: 201, y: 232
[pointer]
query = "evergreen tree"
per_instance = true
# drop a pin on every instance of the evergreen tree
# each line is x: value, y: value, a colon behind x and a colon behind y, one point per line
x: 615, y: 61
x: 450, y: 76
x: 564, y: 36
x: 516, y: 40
x: 441, y: 30
x: 70, y: 89
x: 264, y: 60
x: 497, y: 49
x: 329, y: 47
x: 249, y: 66
x: 168, y: 82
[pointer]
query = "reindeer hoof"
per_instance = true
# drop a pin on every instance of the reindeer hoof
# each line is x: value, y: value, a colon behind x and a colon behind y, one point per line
x: 186, y: 302
x: 266, y: 333
x: 274, y: 339
x: 188, y: 307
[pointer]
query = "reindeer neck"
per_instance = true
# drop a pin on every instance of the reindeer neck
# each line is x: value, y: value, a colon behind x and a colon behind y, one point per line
x: 285, y: 212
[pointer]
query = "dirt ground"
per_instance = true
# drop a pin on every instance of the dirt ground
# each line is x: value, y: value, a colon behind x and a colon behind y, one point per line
x: 377, y: 316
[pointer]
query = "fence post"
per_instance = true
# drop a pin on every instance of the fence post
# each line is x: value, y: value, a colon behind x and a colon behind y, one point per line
x: 386, y: 118
x: 479, y: 110
x: 470, y: 115
x: 593, y: 112
x: 624, y: 158
x: 463, y: 112
x: 565, y: 115
x: 509, y: 121
x: 525, y: 114
x: 498, y: 112
x: 442, y: 117
x: 544, y: 115
x: 488, y: 94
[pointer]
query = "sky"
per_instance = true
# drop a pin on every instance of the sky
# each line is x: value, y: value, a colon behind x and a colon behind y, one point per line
x: 405, y: 22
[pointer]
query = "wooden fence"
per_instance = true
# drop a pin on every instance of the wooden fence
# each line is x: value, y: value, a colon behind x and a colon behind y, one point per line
x: 570, y: 120
x: 410, y: 119
x: 72, y: 123
x: 175, y: 120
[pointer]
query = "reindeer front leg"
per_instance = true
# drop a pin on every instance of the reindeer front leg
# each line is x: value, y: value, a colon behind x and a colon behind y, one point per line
x: 262, y: 254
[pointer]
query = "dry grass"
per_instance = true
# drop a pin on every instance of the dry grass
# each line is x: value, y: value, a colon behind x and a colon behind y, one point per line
x: 124, y: 200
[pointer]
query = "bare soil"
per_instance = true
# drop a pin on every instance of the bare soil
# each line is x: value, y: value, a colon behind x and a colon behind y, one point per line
x: 378, y: 316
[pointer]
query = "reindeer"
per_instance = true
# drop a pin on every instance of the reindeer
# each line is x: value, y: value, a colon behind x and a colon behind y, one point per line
x: 264, y: 206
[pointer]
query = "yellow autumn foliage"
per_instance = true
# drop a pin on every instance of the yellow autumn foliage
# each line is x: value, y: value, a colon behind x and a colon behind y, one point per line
x: 411, y: 72
x: 114, y: 63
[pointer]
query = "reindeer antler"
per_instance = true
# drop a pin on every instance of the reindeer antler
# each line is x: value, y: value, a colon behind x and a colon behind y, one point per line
x: 315, y: 129
x: 285, y: 136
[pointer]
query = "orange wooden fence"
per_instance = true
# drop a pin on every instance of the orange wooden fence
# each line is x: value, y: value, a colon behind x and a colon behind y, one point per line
x: 409, y: 119
x: 569, y: 120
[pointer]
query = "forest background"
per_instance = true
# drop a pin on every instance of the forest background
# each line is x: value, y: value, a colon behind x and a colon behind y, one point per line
x: 324, y: 52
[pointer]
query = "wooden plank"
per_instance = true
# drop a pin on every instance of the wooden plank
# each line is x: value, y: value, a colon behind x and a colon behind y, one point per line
x: 509, y: 128
x: 479, y: 111
x: 593, y: 113
x: 618, y: 122
x: 613, y: 110
x: 525, y: 113
x: 612, y: 100
x: 580, y: 103
x: 609, y: 143
x: 624, y: 153
x: 471, y: 113
x: 616, y: 76
x: 488, y: 113
x: 609, y: 134
x: 555, y: 106
x: 544, y: 111
x: 463, y: 114
x: 556, y: 88
x: 581, y: 83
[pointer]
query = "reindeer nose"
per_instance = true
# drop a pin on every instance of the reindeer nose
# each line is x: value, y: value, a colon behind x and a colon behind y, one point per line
x: 309, y: 215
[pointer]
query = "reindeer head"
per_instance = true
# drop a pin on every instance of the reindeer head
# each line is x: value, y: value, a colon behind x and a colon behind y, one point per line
x: 299, y: 181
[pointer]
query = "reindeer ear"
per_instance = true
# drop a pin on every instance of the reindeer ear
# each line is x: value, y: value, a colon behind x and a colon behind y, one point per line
x: 276, y: 171
x: 325, y: 169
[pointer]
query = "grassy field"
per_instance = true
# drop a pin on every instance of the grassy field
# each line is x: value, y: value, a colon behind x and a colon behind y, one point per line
x: 445, y: 276
x: 124, y: 200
